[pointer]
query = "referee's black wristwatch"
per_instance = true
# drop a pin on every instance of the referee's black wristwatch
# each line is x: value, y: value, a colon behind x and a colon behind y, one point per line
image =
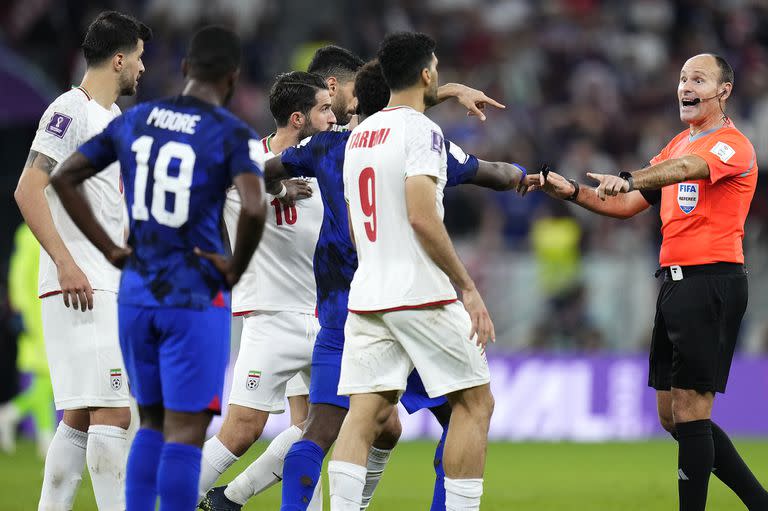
x: 627, y: 176
x: 576, y: 188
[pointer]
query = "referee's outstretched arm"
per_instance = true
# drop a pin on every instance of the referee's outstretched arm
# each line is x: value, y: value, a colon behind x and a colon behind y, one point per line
x: 621, y: 206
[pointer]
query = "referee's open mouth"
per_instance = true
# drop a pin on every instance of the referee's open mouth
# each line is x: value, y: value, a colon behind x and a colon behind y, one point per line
x: 689, y: 102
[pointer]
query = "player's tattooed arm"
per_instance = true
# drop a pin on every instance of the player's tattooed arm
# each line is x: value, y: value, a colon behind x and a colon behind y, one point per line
x: 40, y: 161
x: 30, y: 196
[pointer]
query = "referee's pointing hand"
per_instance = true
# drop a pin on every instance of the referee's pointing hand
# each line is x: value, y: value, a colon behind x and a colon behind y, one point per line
x: 609, y: 185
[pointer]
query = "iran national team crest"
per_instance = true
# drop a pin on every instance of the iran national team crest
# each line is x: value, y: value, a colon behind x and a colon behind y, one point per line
x: 687, y: 196
x: 252, y: 382
x: 116, y: 378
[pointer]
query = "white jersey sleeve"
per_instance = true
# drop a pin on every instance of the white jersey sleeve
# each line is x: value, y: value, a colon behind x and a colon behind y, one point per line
x: 394, y: 271
x: 424, y: 150
x: 62, y: 127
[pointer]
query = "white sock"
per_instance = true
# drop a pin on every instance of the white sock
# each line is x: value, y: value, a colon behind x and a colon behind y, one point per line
x: 463, y: 494
x: 347, y: 482
x: 265, y: 471
x: 377, y: 460
x: 216, y: 460
x: 64, y: 466
x: 316, y: 504
x: 106, y: 455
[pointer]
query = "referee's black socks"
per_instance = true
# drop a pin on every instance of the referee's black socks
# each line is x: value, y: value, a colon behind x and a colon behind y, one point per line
x: 730, y: 468
x: 695, y: 458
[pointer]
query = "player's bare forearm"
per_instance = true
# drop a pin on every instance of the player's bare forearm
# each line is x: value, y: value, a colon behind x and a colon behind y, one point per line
x: 274, y: 173
x: 669, y: 172
x: 74, y: 170
x: 429, y: 228
x: 30, y: 197
x: 499, y: 175
x: 250, y: 225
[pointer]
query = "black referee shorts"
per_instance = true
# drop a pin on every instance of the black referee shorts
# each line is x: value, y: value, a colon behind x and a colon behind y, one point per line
x: 696, y: 326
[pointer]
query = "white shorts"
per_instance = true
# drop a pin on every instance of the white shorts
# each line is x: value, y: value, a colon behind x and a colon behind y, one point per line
x: 381, y: 350
x: 274, y: 361
x: 84, y: 353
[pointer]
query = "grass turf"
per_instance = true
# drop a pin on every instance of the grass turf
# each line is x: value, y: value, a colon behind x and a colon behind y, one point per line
x: 519, y: 476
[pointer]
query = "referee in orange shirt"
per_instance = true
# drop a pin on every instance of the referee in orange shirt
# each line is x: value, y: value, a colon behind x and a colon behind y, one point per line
x: 705, y: 179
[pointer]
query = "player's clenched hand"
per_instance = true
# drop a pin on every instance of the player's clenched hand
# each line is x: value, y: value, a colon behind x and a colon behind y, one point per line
x: 75, y: 288
x: 527, y: 184
x: 296, y: 189
x: 481, y: 320
x: 222, y: 263
x: 119, y: 255
x: 609, y: 185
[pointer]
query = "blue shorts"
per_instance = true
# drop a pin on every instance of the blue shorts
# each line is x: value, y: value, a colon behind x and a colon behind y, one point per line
x: 416, y: 398
x: 175, y: 356
x: 326, y: 368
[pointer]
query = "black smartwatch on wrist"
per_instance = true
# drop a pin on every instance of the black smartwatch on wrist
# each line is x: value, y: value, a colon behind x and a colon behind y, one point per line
x: 627, y: 176
x: 576, y: 189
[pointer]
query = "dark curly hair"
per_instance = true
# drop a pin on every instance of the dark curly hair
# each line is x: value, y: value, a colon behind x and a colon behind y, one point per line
x: 403, y: 55
x: 371, y: 89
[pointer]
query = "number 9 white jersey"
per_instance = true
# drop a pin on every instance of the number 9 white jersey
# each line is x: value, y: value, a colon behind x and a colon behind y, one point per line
x: 394, y: 270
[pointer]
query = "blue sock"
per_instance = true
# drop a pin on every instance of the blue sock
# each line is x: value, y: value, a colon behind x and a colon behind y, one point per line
x: 178, y: 477
x: 141, y: 473
x: 438, y: 497
x: 301, y: 473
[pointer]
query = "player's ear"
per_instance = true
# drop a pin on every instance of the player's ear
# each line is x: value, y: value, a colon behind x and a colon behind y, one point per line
x: 297, y: 120
x: 426, y: 76
x: 332, y: 84
x: 118, y: 61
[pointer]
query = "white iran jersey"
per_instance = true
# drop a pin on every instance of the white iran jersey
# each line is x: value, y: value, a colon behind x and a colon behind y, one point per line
x: 394, y: 271
x: 68, y: 122
x: 280, y: 276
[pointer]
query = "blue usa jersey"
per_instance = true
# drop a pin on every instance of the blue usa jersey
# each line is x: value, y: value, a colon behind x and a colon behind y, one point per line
x: 322, y: 157
x: 178, y: 156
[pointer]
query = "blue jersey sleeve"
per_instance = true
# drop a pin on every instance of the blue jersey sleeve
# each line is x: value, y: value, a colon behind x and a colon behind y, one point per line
x: 101, y: 150
x: 298, y: 161
x: 246, y: 154
x: 462, y: 167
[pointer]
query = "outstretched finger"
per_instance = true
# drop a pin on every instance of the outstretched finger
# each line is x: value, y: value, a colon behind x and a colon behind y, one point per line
x: 596, y: 177
x: 65, y: 295
x: 493, y: 102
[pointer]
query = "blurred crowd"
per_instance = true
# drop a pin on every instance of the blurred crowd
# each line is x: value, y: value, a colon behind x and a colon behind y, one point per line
x: 588, y: 85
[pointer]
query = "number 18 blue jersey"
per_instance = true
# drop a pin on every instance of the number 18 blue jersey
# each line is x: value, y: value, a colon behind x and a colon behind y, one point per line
x: 177, y: 156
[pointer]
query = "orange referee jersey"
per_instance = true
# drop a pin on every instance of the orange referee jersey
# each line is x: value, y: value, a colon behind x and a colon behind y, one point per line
x: 703, y: 220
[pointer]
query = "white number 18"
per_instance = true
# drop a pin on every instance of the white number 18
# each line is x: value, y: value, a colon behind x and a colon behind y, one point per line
x: 177, y: 185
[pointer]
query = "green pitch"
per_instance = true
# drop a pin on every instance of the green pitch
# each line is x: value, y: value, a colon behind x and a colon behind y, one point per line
x: 520, y: 477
